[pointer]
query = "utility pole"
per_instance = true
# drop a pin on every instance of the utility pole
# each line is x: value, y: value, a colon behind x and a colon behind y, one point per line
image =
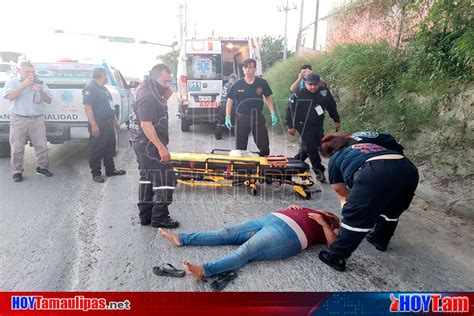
x: 300, y: 29
x: 181, y: 23
x: 185, y: 18
x: 316, y: 20
x: 286, y: 8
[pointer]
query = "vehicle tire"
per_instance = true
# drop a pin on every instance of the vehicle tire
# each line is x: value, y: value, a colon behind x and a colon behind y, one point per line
x: 4, y: 150
x: 185, y: 125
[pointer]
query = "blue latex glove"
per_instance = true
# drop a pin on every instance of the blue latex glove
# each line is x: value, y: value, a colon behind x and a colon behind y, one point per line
x: 228, y: 123
x: 274, y: 118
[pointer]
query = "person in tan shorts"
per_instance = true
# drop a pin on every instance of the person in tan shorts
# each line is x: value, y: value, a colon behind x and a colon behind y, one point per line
x: 27, y: 95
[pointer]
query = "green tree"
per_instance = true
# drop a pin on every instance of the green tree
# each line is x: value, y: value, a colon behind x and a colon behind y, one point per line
x: 271, y: 50
x: 171, y: 60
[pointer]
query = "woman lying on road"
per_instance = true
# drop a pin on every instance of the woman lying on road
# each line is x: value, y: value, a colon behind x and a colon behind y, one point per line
x: 382, y: 183
x: 278, y: 235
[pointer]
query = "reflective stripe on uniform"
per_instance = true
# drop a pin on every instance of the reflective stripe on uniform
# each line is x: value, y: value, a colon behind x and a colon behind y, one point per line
x: 355, y: 229
x: 163, y: 188
x: 389, y: 219
x: 144, y: 182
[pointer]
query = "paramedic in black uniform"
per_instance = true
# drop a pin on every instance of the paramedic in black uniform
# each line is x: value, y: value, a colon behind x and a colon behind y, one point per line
x: 221, y: 120
x: 149, y: 136
x: 246, y: 95
x: 305, y: 114
x: 100, y: 112
x: 375, y: 186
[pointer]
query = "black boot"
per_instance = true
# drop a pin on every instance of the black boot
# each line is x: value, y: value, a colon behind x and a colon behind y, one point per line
x: 218, y: 132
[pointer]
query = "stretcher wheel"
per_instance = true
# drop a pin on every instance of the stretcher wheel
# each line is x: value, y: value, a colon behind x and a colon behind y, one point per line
x: 305, y: 195
x: 308, y: 195
x: 253, y: 189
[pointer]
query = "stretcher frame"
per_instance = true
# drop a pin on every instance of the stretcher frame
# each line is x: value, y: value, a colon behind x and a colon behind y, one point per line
x: 231, y: 176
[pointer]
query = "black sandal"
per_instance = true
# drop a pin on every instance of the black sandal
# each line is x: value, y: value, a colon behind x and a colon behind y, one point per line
x: 168, y: 269
x: 222, y: 280
x: 339, y: 265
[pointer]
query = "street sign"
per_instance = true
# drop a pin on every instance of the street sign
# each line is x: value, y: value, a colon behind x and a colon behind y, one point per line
x: 121, y: 39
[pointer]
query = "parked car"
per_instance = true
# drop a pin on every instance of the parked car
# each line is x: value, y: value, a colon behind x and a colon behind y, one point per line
x: 65, y: 117
x: 7, y: 71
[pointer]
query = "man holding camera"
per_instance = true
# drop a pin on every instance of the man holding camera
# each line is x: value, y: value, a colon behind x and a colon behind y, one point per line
x: 27, y: 95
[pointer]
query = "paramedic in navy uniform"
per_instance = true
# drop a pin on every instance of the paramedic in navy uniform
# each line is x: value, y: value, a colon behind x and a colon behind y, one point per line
x: 149, y: 136
x: 100, y: 112
x: 305, y: 114
x: 375, y: 186
x: 247, y: 96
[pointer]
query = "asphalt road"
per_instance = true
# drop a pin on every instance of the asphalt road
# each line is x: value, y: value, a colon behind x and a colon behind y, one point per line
x: 69, y: 233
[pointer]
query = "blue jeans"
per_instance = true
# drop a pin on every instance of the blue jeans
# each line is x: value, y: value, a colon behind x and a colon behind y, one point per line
x: 265, y: 238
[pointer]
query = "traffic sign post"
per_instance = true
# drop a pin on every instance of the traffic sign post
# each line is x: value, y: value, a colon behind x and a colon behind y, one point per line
x: 121, y: 39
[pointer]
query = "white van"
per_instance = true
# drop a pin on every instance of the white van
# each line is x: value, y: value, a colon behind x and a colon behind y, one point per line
x: 204, y: 66
x: 7, y: 71
x: 65, y: 117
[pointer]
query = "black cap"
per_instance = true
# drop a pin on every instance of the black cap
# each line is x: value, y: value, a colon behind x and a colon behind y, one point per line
x: 312, y: 78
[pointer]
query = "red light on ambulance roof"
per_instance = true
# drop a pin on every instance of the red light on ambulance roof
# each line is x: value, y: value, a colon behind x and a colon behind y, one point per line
x: 183, y: 79
x: 67, y: 60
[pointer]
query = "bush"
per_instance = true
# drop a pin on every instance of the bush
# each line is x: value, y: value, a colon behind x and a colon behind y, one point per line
x: 369, y: 82
x: 366, y: 70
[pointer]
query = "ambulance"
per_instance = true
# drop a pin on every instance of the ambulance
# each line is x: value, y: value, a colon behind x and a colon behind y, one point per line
x: 204, y: 67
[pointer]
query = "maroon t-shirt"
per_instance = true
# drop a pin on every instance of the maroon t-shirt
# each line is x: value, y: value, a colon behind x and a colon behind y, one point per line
x: 314, y: 232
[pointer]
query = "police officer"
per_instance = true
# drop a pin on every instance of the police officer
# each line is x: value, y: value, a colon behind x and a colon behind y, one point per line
x: 100, y: 111
x: 305, y: 71
x: 225, y: 91
x: 149, y: 136
x: 247, y: 96
x: 305, y: 114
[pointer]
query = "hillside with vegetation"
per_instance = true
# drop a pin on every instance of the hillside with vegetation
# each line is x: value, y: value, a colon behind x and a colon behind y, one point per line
x: 422, y: 94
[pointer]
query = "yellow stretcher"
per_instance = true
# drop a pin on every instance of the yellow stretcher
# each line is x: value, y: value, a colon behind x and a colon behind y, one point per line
x: 223, y: 170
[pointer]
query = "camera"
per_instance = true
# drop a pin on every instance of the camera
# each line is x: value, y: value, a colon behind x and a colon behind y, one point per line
x: 37, y: 80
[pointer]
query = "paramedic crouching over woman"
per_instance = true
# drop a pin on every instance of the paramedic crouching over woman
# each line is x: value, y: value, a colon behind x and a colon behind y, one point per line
x: 382, y: 184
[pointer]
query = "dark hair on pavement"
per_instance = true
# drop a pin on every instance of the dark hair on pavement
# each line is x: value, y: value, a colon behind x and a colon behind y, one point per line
x: 27, y: 64
x: 249, y: 62
x: 306, y: 66
x: 158, y: 69
x: 332, y: 143
x: 98, y: 73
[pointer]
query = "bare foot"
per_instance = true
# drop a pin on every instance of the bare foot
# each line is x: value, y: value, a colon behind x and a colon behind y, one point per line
x: 193, y: 270
x: 171, y: 237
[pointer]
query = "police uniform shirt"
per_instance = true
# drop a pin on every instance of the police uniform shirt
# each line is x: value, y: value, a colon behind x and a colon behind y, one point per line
x: 248, y: 97
x: 149, y: 107
x: 225, y: 92
x: 100, y: 99
x: 306, y: 109
x: 345, y: 162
